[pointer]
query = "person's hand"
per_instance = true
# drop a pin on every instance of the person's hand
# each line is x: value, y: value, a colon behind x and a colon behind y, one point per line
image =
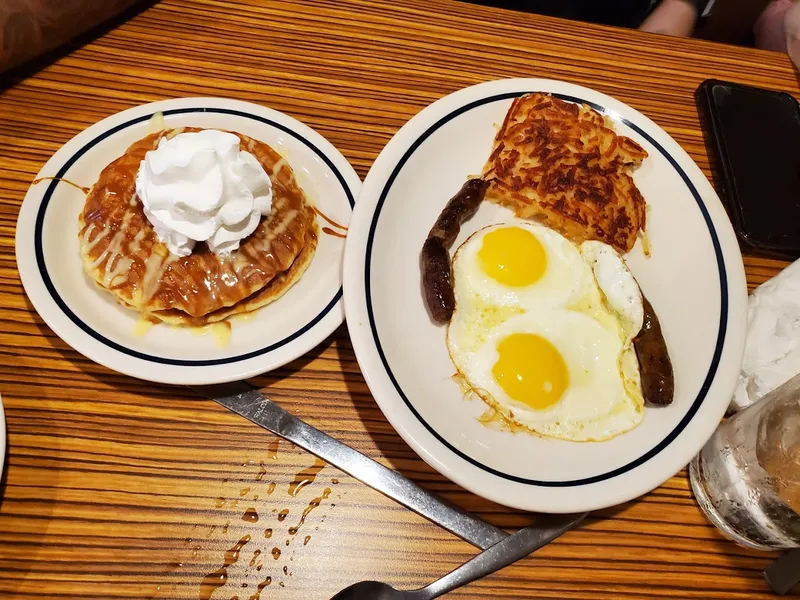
x: 672, y: 17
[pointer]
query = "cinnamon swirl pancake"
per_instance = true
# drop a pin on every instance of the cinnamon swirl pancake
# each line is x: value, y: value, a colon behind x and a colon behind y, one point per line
x: 123, y: 254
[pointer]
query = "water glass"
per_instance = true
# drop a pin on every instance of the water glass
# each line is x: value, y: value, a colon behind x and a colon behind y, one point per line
x: 747, y: 477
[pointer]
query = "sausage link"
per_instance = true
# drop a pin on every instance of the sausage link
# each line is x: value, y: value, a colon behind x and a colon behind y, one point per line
x: 658, y: 382
x: 437, y: 281
x: 435, y: 257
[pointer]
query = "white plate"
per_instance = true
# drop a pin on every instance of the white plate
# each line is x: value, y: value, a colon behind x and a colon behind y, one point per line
x: 695, y: 280
x: 90, y: 320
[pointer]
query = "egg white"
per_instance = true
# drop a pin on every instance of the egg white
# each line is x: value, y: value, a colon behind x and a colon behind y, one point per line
x: 620, y: 289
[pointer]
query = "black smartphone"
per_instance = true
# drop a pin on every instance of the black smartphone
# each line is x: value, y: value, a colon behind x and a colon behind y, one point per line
x: 754, y: 138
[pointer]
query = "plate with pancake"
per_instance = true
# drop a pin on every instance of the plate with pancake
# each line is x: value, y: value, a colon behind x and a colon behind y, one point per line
x: 545, y: 295
x: 189, y: 241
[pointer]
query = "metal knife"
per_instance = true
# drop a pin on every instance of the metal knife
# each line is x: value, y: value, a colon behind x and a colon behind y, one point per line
x: 254, y: 406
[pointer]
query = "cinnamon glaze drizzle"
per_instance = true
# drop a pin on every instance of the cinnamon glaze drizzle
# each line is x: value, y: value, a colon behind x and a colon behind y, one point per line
x: 85, y: 190
x: 328, y: 230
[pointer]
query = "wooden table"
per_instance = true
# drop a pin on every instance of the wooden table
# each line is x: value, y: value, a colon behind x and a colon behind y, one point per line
x: 117, y: 488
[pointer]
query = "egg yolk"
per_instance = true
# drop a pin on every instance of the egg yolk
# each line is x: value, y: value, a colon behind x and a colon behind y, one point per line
x: 513, y: 256
x: 530, y: 370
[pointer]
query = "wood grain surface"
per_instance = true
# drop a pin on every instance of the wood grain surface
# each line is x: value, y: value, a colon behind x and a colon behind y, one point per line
x: 116, y: 488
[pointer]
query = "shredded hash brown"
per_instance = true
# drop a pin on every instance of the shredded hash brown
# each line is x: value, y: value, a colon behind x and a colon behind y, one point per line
x: 563, y: 164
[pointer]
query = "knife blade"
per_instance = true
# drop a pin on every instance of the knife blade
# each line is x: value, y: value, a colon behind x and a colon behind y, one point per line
x: 250, y: 403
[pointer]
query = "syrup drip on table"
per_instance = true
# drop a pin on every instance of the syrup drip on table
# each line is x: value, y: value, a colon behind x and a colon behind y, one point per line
x: 254, y: 560
x: 250, y: 515
x: 218, y: 578
x: 85, y: 190
x: 306, y: 477
x: 311, y: 506
x: 273, y: 449
x: 261, y: 586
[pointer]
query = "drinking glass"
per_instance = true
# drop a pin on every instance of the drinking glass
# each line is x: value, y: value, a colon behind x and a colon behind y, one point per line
x: 747, y: 477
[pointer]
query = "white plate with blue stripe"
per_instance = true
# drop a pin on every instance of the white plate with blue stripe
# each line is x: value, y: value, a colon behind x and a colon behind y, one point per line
x: 90, y: 320
x: 694, y: 279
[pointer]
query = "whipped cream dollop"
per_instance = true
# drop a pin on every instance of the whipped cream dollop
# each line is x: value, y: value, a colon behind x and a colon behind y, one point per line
x: 201, y: 187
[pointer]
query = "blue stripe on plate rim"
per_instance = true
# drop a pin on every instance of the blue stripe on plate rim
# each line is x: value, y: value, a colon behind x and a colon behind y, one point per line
x: 723, y: 281
x: 148, y: 357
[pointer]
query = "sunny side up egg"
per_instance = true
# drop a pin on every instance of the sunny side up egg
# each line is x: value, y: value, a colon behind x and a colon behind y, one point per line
x: 543, y: 331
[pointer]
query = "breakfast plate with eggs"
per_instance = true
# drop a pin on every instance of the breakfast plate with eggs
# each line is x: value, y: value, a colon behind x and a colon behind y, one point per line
x: 189, y: 241
x: 545, y: 295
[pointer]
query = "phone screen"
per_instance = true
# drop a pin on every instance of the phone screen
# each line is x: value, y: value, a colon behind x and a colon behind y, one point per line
x: 759, y: 135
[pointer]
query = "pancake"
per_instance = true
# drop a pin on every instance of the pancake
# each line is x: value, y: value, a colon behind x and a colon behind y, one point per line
x: 564, y: 165
x: 123, y: 255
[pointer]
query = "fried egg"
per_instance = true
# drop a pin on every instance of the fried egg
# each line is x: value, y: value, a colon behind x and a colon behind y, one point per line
x: 543, y: 331
x: 521, y: 265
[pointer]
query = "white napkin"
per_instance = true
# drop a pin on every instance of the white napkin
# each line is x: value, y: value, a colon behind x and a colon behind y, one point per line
x: 772, y: 350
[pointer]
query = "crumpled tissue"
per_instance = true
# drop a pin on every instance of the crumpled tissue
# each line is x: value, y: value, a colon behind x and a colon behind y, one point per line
x: 772, y: 350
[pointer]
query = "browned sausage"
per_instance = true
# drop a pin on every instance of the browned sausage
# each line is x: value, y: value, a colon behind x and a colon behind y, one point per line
x: 435, y: 257
x: 658, y: 383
